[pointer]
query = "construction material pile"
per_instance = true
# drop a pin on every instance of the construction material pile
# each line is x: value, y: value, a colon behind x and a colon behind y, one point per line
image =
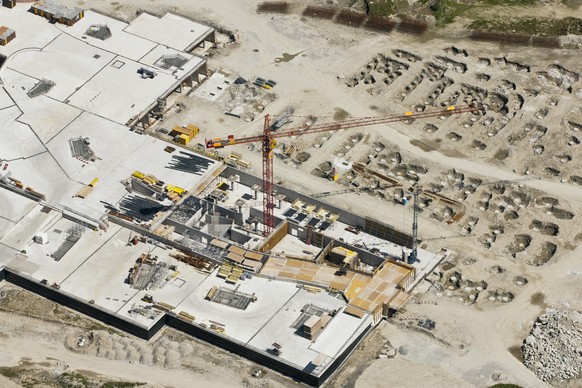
x: 553, y: 349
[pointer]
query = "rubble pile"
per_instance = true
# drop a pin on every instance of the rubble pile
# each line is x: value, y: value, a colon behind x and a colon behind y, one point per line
x: 553, y: 349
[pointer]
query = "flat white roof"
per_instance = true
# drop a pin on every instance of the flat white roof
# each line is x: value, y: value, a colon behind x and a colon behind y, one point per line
x: 31, y: 30
x: 119, y: 93
x: 341, y: 330
x: 241, y: 325
x: 18, y: 140
x: 120, y: 153
x: 120, y: 42
x: 294, y: 347
x: 214, y: 87
x: 5, y: 100
x: 171, y: 30
x: 67, y: 61
x: 154, y: 55
x: 89, y: 73
x: 46, y: 116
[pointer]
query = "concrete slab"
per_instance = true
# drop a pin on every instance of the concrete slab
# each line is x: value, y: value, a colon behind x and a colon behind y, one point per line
x: 31, y: 30
x: 20, y: 236
x: 5, y: 100
x: 43, y: 174
x: 295, y: 347
x: 293, y: 246
x: 120, y: 42
x: 173, y: 293
x: 45, y: 115
x: 112, y: 144
x: 239, y: 324
x: 340, y: 331
x: 214, y: 87
x: 171, y: 30
x: 155, y: 54
x: 18, y: 140
x: 101, y: 277
x: 101, y: 95
x: 14, y: 207
x: 67, y: 61
x: 6, y: 255
x: 5, y: 226
x: 56, y: 230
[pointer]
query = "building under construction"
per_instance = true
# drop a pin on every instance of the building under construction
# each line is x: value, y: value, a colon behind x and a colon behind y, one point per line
x: 173, y: 237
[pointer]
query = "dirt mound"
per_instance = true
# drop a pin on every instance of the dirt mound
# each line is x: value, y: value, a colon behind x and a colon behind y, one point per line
x: 164, y: 353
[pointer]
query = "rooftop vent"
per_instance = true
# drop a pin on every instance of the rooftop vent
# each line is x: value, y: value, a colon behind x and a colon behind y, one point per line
x: 99, y: 31
x: 41, y: 87
x: 172, y: 60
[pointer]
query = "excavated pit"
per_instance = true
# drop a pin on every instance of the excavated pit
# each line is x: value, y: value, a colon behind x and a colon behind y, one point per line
x: 545, y: 228
x: 519, y: 244
x: 544, y: 254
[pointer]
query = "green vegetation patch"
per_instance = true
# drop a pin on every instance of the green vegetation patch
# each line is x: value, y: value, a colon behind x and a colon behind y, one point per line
x: 383, y: 8
x: 11, y: 373
x: 72, y: 380
x: 120, y: 384
x: 445, y: 11
x: 531, y: 26
x: 510, y: 2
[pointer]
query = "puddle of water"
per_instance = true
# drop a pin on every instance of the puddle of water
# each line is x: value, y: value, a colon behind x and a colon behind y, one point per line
x: 286, y: 57
x: 340, y: 114
x: 537, y: 299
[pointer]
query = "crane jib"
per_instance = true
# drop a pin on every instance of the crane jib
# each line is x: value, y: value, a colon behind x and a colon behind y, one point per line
x: 335, y: 126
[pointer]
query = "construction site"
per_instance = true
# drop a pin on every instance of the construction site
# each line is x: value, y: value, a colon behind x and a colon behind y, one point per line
x: 315, y: 194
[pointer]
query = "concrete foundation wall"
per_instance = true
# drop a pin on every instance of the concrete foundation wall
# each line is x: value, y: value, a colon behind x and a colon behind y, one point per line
x: 259, y: 214
x: 239, y: 237
x: 79, y: 305
x: 193, y: 233
x: 228, y: 213
x: 256, y: 355
x: 365, y: 256
x: 369, y: 225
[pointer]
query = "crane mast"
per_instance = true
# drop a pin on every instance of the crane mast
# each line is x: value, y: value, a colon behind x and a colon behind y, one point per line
x: 415, y: 209
x: 268, y: 200
x: 267, y: 139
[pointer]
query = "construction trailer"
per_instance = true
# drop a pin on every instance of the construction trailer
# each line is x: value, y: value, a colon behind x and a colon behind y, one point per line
x: 56, y: 13
x: 9, y: 3
x: 6, y: 35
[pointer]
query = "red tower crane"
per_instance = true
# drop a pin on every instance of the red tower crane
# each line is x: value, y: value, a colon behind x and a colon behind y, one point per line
x: 268, y: 141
